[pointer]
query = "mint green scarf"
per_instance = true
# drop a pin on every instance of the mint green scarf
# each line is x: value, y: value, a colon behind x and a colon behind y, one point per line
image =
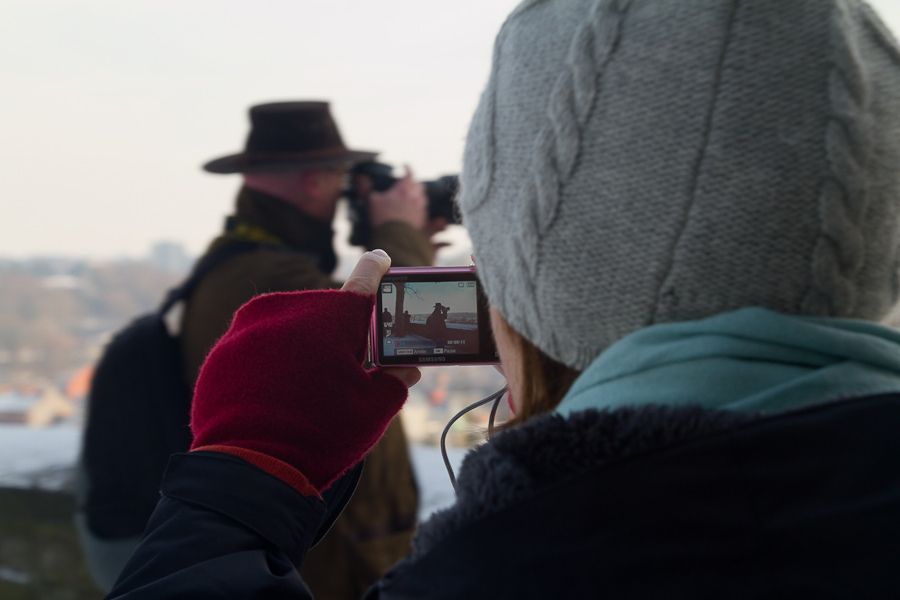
x: 751, y: 359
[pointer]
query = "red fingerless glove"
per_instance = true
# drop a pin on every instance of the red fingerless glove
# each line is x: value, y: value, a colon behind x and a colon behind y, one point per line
x: 286, y: 382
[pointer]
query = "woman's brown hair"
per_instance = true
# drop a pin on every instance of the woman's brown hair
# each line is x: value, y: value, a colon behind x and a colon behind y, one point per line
x: 544, y: 380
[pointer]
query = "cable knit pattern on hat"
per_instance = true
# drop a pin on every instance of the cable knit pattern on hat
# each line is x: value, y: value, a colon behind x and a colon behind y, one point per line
x: 647, y: 161
x: 558, y: 143
x: 840, y: 253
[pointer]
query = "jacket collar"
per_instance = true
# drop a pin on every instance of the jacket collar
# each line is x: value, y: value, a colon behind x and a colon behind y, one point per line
x: 613, y: 492
x: 503, y: 472
x: 289, y: 225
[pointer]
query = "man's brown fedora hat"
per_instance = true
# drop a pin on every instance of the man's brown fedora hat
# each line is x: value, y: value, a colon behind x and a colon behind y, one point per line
x: 285, y: 136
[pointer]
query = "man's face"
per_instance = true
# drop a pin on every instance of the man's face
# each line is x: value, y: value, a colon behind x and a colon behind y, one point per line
x: 315, y: 191
x: 336, y: 182
x: 323, y: 189
x: 329, y: 184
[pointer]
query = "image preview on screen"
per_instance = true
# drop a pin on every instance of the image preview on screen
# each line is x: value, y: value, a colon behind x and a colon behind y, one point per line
x: 429, y: 318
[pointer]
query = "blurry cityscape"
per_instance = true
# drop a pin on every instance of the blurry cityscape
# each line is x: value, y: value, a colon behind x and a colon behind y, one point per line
x: 56, y: 315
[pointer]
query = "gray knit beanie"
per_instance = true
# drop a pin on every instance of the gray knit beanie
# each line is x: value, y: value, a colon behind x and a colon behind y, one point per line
x: 648, y: 161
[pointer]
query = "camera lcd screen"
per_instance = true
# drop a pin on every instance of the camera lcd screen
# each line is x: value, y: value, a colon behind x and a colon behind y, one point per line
x: 432, y: 318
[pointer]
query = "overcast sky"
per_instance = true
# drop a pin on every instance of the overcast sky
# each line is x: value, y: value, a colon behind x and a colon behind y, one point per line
x: 108, y: 107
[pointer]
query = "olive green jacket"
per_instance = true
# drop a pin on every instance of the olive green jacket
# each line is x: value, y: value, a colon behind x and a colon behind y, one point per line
x: 297, y: 254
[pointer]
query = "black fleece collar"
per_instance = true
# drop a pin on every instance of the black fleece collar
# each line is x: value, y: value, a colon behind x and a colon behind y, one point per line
x: 671, y: 502
x: 510, y: 467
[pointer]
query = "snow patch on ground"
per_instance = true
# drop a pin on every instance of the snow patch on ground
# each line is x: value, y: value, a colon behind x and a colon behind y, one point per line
x: 38, y: 457
x: 435, y: 490
x: 45, y: 458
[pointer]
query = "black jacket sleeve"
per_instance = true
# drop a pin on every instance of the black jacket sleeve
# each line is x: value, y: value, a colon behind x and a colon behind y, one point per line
x: 223, y: 528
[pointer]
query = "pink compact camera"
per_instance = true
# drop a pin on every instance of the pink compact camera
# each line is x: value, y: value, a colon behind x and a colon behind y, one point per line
x: 431, y: 316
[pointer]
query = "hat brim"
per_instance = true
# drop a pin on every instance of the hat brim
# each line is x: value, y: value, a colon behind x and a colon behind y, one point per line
x: 245, y: 162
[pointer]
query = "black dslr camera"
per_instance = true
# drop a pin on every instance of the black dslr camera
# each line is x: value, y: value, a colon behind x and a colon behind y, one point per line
x: 368, y: 177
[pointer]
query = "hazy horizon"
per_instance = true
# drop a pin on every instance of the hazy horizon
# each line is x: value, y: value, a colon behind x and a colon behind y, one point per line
x: 111, y: 107
x: 117, y: 104
x: 421, y: 297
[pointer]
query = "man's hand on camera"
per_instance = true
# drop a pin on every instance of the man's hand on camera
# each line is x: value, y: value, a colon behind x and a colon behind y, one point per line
x: 405, y: 202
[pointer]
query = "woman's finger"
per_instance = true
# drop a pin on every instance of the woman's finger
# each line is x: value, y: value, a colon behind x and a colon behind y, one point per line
x: 409, y: 376
x: 367, y: 273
